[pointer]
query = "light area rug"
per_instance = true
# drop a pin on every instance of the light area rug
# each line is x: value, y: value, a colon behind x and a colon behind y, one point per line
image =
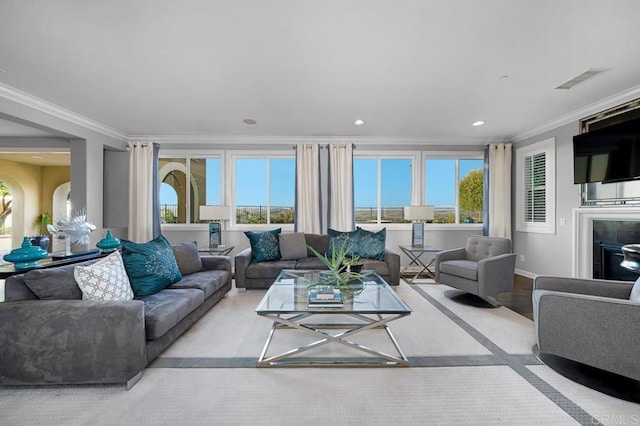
x: 468, y: 366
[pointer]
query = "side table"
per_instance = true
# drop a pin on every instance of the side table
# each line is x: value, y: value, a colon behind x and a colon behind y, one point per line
x: 415, y: 254
x: 217, y: 251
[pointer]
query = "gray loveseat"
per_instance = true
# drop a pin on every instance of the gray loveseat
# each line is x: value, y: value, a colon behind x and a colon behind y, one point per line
x: 66, y: 340
x: 261, y: 275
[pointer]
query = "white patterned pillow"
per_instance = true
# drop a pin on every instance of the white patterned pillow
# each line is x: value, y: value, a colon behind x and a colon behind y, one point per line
x: 104, y: 280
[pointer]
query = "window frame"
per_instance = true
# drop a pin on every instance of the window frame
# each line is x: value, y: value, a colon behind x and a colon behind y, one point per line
x: 449, y: 155
x: 416, y: 168
x: 547, y: 147
x: 198, y: 154
x: 232, y: 156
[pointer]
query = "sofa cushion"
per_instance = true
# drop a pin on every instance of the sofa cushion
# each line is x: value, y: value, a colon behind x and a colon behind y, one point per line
x: 635, y: 292
x: 209, y: 281
x: 269, y: 269
x: 104, y: 280
x: 370, y: 245
x: 151, y: 266
x: 461, y: 268
x: 310, y: 263
x: 187, y: 257
x: 264, y: 245
x: 53, y: 283
x: 319, y: 242
x: 165, y: 309
x: 379, y: 266
x: 292, y: 246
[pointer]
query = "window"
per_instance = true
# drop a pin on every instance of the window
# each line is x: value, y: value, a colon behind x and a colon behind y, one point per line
x: 535, y: 194
x: 180, y: 198
x: 264, y: 190
x: 454, y: 187
x: 382, y: 187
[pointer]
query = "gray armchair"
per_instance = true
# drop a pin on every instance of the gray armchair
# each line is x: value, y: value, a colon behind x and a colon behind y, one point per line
x: 484, y: 267
x: 589, y: 321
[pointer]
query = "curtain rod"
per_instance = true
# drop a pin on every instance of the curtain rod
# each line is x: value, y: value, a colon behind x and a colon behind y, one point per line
x: 324, y: 146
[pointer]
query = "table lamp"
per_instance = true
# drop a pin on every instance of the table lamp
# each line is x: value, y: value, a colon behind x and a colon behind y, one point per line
x: 214, y: 214
x: 418, y: 214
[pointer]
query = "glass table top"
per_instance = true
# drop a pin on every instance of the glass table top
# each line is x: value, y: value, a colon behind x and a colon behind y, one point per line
x: 290, y: 291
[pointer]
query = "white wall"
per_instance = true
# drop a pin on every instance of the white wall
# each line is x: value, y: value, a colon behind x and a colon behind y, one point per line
x: 547, y: 254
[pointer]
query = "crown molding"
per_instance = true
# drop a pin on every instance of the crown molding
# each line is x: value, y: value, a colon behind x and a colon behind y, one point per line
x: 594, y: 108
x: 54, y: 110
x: 288, y: 140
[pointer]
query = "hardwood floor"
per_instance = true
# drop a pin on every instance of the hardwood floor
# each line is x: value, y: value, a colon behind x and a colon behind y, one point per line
x: 519, y: 300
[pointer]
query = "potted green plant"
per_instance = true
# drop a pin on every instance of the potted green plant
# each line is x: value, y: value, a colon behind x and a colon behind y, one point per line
x: 339, y: 264
x: 42, y: 240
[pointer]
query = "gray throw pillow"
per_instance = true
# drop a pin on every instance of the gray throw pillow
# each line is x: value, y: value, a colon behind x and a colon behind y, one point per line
x: 53, y: 283
x: 635, y: 292
x: 292, y: 246
x: 187, y: 257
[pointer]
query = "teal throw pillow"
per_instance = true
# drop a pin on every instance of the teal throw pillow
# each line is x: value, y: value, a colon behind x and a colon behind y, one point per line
x: 370, y: 245
x: 264, y: 245
x: 151, y: 266
x: 337, y: 240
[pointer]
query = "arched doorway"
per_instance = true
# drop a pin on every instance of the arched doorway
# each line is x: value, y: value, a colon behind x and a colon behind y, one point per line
x: 18, y: 230
x: 61, y: 207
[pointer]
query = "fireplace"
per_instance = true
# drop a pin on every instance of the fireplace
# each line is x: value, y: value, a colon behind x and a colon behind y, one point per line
x: 583, y: 264
x: 608, y: 238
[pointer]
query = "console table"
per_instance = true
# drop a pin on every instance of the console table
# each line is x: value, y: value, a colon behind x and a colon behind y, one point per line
x: 8, y: 270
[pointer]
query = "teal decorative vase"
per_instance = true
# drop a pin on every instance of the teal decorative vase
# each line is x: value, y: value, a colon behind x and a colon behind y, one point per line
x: 26, y: 256
x: 109, y: 243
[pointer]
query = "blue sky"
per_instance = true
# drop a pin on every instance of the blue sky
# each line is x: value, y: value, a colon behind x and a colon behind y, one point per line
x: 251, y: 182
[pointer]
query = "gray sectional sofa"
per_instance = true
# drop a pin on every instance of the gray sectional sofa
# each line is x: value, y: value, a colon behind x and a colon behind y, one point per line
x: 61, y: 339
x: 261, y: 275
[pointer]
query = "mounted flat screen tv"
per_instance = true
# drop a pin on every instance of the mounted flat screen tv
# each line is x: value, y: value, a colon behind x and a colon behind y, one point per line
x: 610, y: 154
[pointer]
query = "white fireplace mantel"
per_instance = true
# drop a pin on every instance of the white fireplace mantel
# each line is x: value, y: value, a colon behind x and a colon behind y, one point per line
x: 582, y: 251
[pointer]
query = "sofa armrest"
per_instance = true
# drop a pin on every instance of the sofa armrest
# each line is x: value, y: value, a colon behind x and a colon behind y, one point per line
x: 604, y: 288
x: 219, y: 263
x: 496, y: 274
x: 392, y: 259
x: 242, y: 262
x: 594, y: 330
x: 71, y: 341
x: 442, y: 256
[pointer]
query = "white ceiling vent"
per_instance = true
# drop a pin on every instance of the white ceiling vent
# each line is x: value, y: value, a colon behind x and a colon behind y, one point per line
x: 588, y: 74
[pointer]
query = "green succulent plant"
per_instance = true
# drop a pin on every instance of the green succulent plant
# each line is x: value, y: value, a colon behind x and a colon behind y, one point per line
x: 339, y: 274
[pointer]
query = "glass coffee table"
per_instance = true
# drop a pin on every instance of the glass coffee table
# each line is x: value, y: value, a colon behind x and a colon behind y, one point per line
x: 372, y: 305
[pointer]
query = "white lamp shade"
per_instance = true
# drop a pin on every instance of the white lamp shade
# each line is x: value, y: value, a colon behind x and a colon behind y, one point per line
x: 418, y: 212
x: 214, y: 212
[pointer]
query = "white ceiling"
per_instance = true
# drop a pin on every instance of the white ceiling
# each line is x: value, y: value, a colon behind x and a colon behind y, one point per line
x: 412, y: 69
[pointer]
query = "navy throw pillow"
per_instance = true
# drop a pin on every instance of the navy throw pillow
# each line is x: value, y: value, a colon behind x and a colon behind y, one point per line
x: 151, y: 266
x: 370, y: 245
x: 264, y: 245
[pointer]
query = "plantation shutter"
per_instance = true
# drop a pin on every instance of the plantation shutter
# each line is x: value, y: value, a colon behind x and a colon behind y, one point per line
x: 535, y: 188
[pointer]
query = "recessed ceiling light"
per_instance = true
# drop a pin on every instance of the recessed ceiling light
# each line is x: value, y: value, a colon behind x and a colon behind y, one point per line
x: 478, y: 123
x: 249, y: 121
x: 358, y: 122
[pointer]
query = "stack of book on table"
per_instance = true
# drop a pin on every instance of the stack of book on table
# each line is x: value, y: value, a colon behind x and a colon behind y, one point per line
x: 325, y: 296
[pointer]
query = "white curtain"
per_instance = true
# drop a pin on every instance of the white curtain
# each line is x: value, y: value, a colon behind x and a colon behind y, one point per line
x: 500, y: 190
x: 341, y: 187
x: 308, y: 208
x: 141, y: 190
